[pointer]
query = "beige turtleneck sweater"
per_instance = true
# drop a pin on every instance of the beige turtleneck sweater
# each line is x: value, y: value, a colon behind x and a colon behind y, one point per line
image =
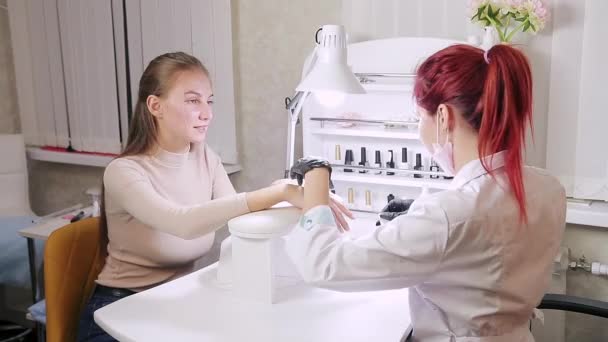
x: 162, y: 213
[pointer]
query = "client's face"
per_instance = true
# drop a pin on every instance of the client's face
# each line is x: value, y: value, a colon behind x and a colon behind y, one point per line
x: 187, y: 107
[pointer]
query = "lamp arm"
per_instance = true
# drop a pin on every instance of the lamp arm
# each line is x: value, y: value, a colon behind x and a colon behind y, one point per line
x: 294, y: 107
x: 292, y: 102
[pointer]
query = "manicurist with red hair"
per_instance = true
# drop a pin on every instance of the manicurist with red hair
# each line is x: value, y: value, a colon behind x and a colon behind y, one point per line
x: 478, y: 256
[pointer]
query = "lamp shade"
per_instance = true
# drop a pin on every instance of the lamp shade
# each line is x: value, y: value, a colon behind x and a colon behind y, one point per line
x: 330, y: 72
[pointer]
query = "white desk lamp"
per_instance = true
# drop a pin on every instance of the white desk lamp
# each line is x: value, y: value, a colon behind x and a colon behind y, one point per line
x: 327, y: 75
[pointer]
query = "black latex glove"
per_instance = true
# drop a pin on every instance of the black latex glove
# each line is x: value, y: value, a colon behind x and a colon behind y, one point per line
x: 395, y: 208
x: 303, y: 165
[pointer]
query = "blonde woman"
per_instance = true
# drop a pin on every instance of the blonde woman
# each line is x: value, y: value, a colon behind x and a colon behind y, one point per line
x: 167, y: 193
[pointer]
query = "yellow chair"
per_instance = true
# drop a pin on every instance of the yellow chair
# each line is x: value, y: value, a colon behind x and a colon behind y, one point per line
x: 72, y: 261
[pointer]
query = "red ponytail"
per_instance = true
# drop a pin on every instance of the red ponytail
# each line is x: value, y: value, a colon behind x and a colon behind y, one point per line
x: 494, y: 97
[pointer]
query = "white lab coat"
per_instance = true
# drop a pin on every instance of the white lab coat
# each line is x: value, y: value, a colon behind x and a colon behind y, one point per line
x: 475, y: 272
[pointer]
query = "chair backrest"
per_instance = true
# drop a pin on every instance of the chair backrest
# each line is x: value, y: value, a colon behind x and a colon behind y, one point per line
x: 14, y: 197
x: 588, y: 306
x: 72, y: 262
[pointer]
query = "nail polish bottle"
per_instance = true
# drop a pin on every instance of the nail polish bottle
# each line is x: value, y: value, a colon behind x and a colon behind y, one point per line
x: 378, y: 163
x: 351, y: 198
x: 338, y: 152
x: 390, y: 164
x: 434, y: 168
x: 368, y: 200
x: 363, y: 161
x: 404, y: 165
x: 418, y: 166
x: 348, y: 160
x: 444, y: 177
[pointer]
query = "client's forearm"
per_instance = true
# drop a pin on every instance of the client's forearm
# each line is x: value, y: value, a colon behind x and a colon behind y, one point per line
x: 316, y: 190
x: 267, y: 197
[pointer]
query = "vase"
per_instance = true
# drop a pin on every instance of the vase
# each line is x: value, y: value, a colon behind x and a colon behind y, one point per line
x: 490, y: 38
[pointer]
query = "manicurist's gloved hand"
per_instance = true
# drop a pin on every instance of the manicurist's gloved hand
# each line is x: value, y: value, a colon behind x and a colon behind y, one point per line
x: 395, y: 208
x: 303, y: 165
x: 340, y: 212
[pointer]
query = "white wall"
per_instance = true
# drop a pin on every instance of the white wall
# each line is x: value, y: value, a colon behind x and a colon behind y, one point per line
x: 369, y: 19
x: 578, y: 30
x: 578, y: 123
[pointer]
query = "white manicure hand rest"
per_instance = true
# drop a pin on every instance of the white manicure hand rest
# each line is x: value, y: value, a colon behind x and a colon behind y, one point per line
x: 254, y: 264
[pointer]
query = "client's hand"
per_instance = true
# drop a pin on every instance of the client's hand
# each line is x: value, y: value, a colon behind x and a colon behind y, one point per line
x: 395, y: 208
x: 295, y: 196
x: 340, y: 211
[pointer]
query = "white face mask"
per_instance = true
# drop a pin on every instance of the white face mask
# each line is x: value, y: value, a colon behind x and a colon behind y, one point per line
x: 444, y: 155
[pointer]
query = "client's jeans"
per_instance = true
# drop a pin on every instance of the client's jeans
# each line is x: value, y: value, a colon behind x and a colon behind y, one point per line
x: 88, y: 330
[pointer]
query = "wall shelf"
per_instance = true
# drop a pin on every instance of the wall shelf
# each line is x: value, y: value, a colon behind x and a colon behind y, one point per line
x: 87, y: 159
x: 368, y: 133
x: 76, y: 158
x: 389, y: 86
x: 391, y: 180
x: 588, y: 213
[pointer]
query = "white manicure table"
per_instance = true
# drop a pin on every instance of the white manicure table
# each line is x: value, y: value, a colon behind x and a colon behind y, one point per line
x: 198, y: 307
